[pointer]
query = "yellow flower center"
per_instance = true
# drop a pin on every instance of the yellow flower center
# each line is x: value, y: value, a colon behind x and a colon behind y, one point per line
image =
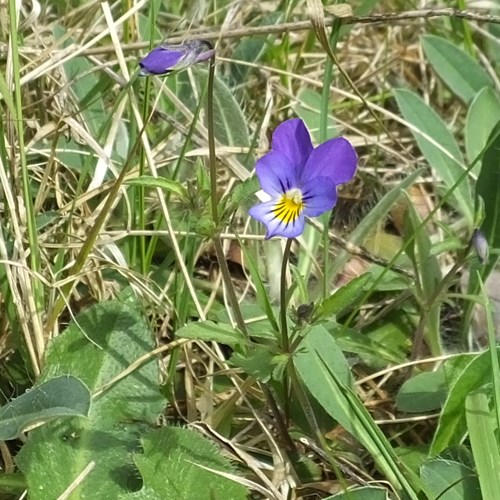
x: 289, y: 206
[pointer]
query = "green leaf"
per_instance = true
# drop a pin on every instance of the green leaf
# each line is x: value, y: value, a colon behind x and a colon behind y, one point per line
x: 457, y: 69
x: 13, y: 483
x: 487, y: 188
x: 172, y: 466
x: 308, y: 108
x: 160, y: 182
x: 58, y: 452
x: 423, y: 392
x: 85, y: 85
x: 230, y: 123
x: 438, y: 146
x: 64, y: 396
x: 209, y: 331
x: 257, y: 363
x: 482, y: 116
x: 452, y: 425
x: 98, y: 346
x: 344, y: 297
x: 325, y: 373
x: 449, y: 480
x: 426, y: 266
x: 363, y: 493
x: 319, y: 340
x: 251, y: 49
x: 484, y: 443
x: 104, y: 341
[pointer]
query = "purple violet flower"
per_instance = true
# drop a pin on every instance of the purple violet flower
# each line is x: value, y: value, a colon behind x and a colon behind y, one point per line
x: 300, y: 179
x: 167, y: 58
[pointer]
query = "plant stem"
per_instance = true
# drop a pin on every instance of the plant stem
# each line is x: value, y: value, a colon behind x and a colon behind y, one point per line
x: 214, y: 202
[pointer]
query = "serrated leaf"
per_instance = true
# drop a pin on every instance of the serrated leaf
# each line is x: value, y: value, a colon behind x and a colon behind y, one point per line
x: 463, y: 75
x: 64, y: 396
x: 98, y: 346
x: 171, y: 467
x: 58, y: 452
x: 439, y: 148
x: 344, y: 297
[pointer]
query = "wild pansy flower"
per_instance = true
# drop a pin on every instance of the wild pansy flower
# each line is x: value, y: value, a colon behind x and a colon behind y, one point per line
x: 167, y: 58
x: 300, y: 179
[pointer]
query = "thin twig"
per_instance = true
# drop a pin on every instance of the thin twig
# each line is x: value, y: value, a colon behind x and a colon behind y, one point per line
x: 386, y: 18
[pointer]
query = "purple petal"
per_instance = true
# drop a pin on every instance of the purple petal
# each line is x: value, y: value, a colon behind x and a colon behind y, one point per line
x: 161, y: 60
x: 264, y: 212
x: 335, y: 159
x: 319, y: 196
x: 276, y: 174
x: 292, y: 139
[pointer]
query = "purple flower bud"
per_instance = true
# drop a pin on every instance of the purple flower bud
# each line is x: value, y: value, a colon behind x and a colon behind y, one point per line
x: 480, y: 244
x: 167, y: 58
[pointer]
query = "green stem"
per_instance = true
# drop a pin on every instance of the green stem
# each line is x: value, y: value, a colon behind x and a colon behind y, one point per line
x: 34, y: 250
x: 323, y: 135
x: 214, y: 202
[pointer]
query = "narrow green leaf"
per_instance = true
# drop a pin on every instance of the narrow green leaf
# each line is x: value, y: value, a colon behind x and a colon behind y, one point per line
x: 439, y: 147
x: 325, y: 373
x: 230, y: 124
x: 427, y: 267
x: 209, y: 331
x: 344, y: 297
x: 159, y: 182
x: 452, y: 425
x: 482, y: 116
x: 64, y: 396
x: 487, y: 188
x: 85, y: 85
x: 465, y: 76
x: 484, y: 442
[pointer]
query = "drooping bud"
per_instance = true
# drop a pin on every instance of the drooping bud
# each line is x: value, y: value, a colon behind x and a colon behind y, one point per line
x: 480, y: 244
x: 166, y: 58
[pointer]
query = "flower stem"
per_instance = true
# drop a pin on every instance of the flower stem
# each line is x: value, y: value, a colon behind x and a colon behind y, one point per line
x: 323, y: 136
x: 214, y: 202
